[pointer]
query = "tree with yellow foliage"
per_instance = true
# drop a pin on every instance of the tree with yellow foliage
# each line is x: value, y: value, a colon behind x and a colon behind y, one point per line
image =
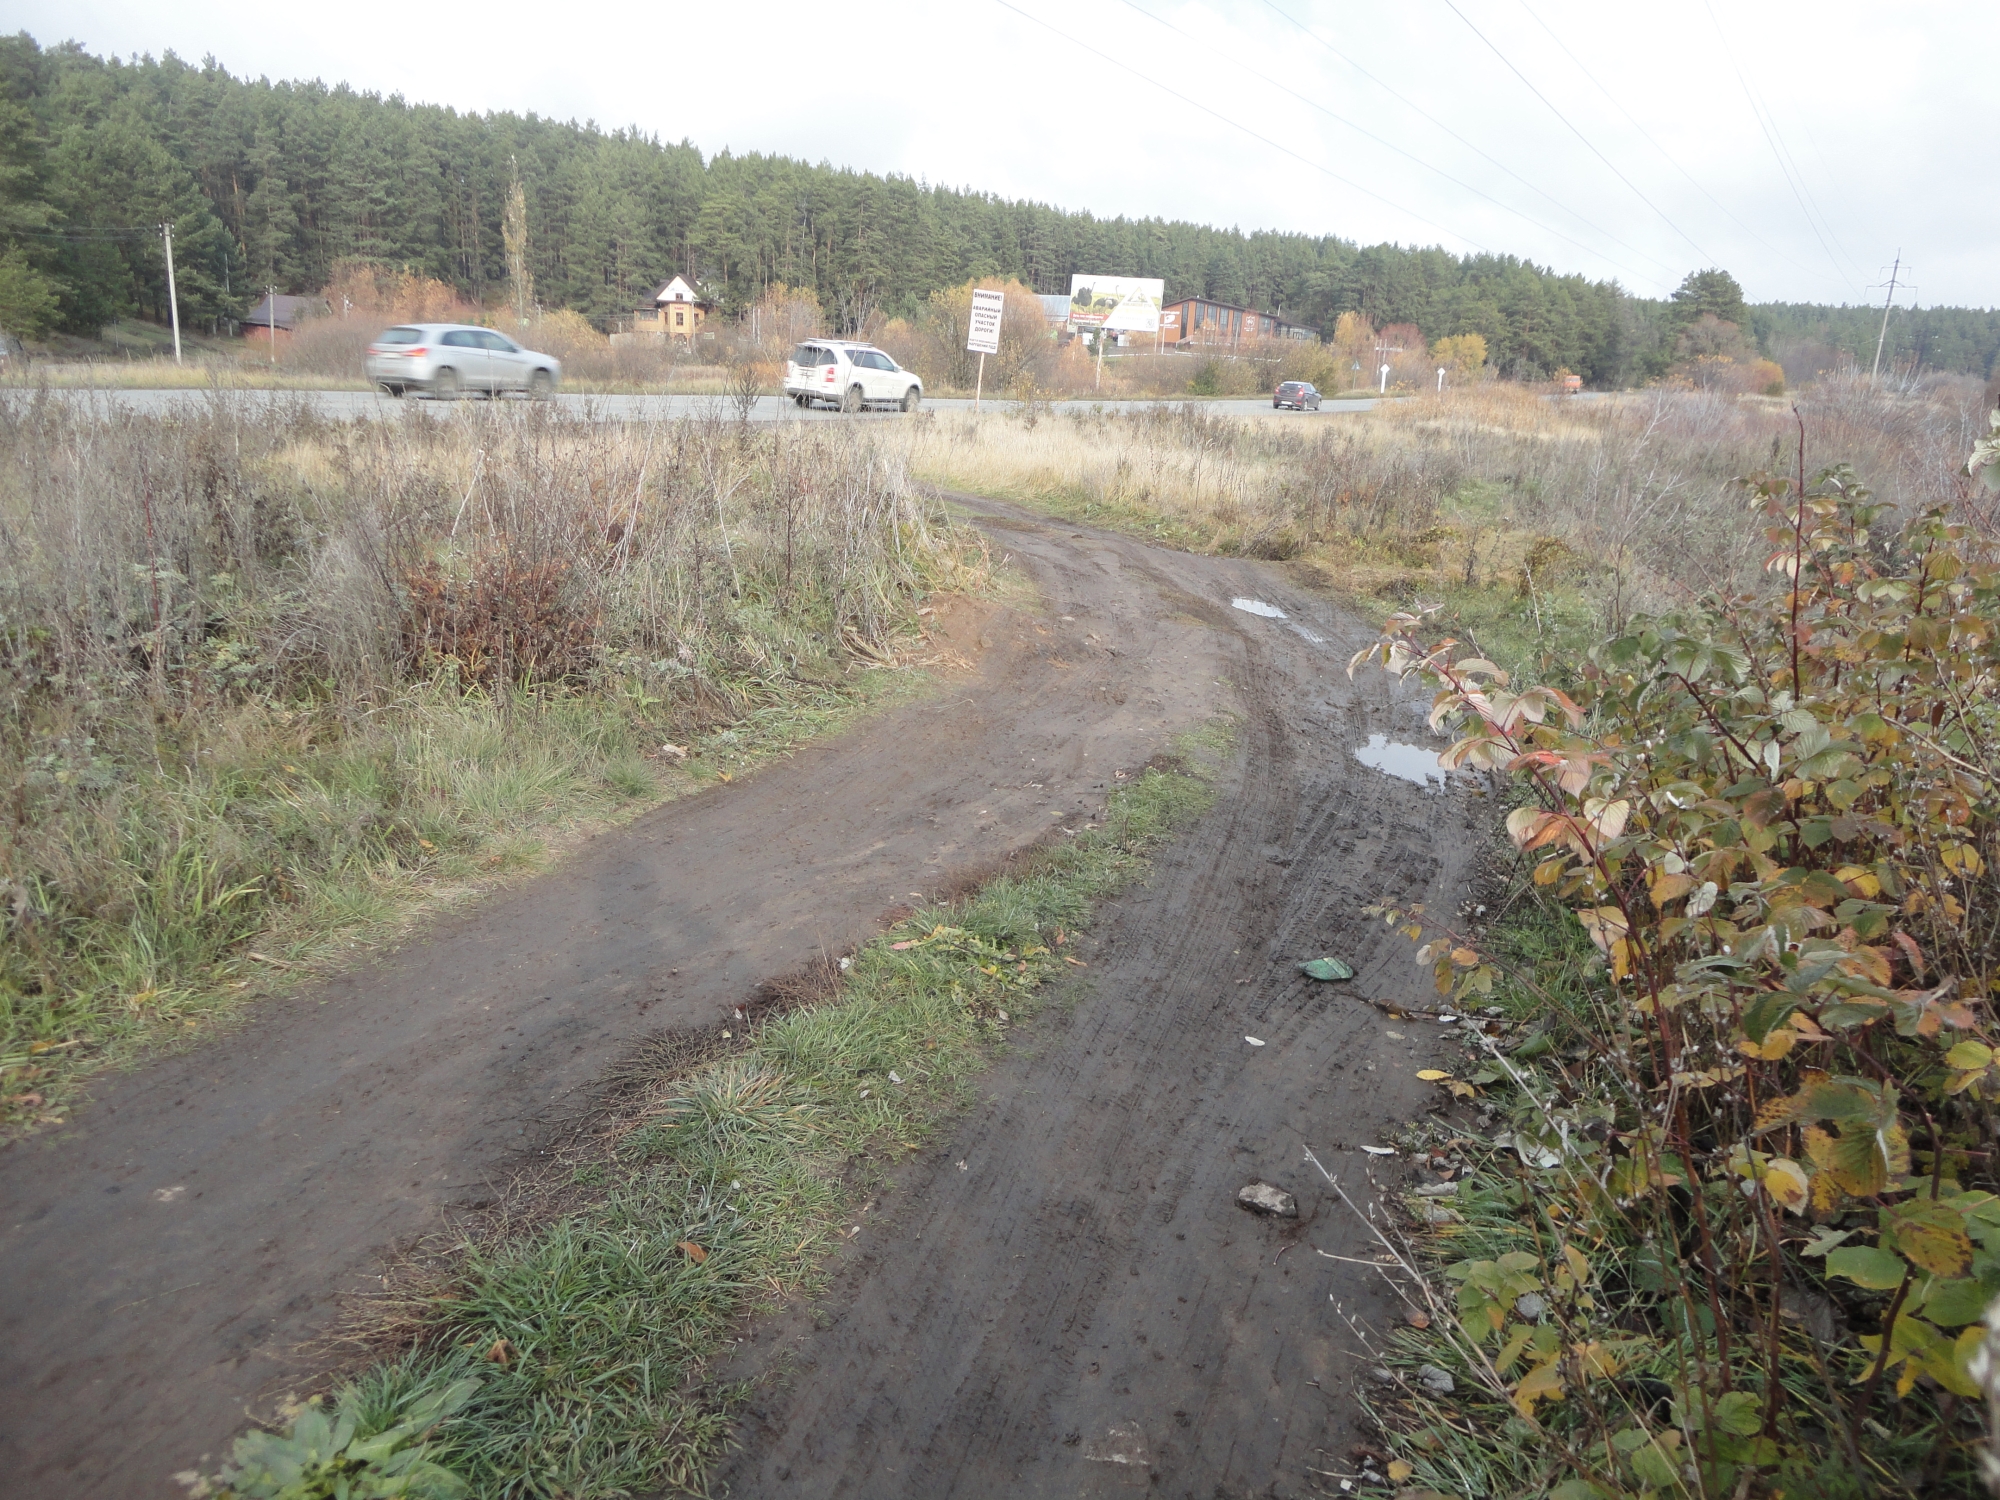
x: 1463, y: 354
x: 1354, y: 345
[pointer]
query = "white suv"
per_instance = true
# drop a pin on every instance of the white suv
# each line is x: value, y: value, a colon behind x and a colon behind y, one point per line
x: 849, y: 376
x: 451, y: 359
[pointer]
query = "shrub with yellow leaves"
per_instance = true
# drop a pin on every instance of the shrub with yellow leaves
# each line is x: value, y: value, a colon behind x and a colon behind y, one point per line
x: 1773, y: 817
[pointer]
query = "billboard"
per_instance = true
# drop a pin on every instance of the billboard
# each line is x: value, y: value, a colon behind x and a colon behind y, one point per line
x: 1120, y: 304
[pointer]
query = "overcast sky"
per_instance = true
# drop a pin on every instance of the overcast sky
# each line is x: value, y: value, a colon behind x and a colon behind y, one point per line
x: 1799, y: 145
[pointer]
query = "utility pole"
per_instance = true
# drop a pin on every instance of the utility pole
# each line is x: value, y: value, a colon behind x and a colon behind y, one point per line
x: 1887, y: 303
x: 173, y: 298
x: 271, y: 312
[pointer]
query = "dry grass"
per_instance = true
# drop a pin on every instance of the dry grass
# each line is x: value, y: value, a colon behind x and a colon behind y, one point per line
x: 1587, y: 510
x: 268, y: 679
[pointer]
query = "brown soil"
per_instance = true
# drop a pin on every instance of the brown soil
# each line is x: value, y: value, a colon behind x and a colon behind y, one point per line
x: 1080, y: 1307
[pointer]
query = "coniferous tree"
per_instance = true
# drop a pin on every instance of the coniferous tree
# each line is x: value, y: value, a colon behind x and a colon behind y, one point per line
x: 275, y: 183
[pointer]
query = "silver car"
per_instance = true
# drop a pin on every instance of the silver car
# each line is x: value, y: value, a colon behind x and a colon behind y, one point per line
x: 446, y: 360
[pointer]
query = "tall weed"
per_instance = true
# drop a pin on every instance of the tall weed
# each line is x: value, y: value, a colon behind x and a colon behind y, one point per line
x: 269, y: 676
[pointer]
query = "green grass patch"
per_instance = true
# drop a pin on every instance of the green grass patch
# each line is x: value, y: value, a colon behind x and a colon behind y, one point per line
x: 1072, y: 502
x: 732, y: 1184
x: 180, y: 869
x: 1548, y: 632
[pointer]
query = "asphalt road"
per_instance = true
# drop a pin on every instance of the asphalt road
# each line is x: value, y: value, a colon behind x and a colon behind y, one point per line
x: 655, y: 408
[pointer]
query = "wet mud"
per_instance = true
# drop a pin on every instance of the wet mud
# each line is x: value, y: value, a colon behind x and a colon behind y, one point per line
x: 1080, y: 1308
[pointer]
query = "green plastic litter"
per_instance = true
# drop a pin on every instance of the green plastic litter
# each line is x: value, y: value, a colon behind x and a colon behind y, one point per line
x: 1326, y: 968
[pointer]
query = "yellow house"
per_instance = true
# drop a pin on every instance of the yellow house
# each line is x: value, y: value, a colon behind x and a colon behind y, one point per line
x: 678, y: 310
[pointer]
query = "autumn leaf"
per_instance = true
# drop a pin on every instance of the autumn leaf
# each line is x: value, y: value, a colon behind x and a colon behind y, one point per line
x: 1605, y: 924
x: 694, y: 1252
x: 1774, y: 1046
x: 1931, y: 1236
x: 1667, y: 888
x: 1787, y: 1184
x: 1543, y: 1383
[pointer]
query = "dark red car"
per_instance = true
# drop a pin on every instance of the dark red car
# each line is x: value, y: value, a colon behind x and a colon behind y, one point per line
x: 1299, y: 395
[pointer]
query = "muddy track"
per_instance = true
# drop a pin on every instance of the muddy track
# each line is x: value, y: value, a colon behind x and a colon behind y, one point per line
x: 1064, y: 1300
x: 169, y: 1260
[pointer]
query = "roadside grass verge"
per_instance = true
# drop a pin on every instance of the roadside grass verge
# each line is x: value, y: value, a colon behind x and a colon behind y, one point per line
x: 733, y: 1182
x: 262, y: 845
x: 269, y: 683
x: 1541, y: 525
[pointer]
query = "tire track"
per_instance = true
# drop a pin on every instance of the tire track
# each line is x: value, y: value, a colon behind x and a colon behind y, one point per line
x: 1087, y: 1289
x: 170, y: 1258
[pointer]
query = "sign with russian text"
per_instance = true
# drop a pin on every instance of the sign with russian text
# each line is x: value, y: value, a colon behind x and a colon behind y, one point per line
x: 982, y: 332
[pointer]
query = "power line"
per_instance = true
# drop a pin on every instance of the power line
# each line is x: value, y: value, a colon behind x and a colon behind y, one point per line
x: 1771, y: 141
x: 1418, y: 109
x: 1237, y: 125
x: 1381, y: 141
x: 1619, y: 105
x: 1453, y: 8
x: 1826, y: 166
x: 1798, y: 172
x: 1888, y: 302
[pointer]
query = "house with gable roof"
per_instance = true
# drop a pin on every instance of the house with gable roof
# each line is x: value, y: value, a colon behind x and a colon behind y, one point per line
x: 677, y: 311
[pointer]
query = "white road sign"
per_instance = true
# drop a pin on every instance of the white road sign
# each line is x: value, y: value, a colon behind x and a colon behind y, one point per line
x: 982, y: 334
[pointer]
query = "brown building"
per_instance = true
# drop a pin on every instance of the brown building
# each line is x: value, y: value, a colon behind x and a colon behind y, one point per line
x: 677, y: 311
x: 1198, y: 322
x: 281, y: 314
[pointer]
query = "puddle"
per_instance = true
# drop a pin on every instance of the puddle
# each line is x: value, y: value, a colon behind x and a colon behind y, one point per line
x: 1310, y: 637
x: 1410, y: 762
x: 1258, y: 607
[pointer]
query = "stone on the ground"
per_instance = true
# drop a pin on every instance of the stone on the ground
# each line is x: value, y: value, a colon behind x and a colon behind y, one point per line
x: 1262, y: 1198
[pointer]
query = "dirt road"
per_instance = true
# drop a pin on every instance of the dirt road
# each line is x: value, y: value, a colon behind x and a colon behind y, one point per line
x: 1065, y: 1300
x: 166, y: 1257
